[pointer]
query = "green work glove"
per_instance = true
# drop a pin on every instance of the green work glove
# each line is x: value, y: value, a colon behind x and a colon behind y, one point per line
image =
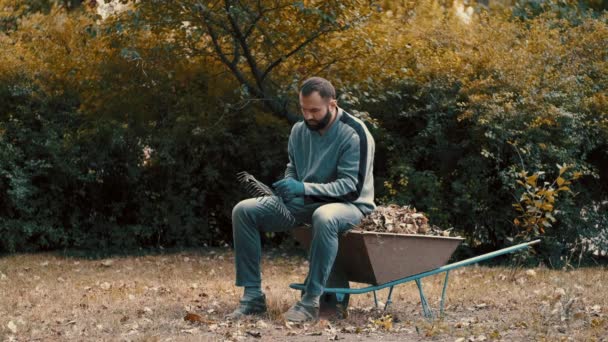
x: 288, y: 188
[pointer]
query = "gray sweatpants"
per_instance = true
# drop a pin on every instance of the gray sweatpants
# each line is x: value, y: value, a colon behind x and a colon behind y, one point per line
x: 250, y: 217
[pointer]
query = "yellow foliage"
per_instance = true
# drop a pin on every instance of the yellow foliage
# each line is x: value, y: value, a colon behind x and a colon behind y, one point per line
x: 424, y: 41
x: 55, y: 51
x: 537, y: 202
x: 529, y: 62
x: 384, y: 322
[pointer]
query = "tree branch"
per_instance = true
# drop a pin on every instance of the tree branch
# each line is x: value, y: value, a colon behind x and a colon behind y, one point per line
x: 292, y: 52
x: 237, y: 53
x: 218, y: 49
x: 259, y: 16
x: 246, y: 50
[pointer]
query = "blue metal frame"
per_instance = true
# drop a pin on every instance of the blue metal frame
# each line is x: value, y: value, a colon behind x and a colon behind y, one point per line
x: 428, y: 313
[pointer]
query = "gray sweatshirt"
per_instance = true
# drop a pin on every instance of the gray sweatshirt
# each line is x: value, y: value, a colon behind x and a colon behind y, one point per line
x: 337, y: 166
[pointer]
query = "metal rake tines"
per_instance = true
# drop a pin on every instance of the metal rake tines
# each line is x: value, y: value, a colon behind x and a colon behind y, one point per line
x: 254, y: 186
x: 264, y: 195
x: 276, y: 204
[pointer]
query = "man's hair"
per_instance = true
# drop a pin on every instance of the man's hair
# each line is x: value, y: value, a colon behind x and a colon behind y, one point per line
x: 323, y: 86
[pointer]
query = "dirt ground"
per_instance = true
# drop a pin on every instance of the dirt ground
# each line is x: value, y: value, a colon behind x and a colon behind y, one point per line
x: 49, y: 297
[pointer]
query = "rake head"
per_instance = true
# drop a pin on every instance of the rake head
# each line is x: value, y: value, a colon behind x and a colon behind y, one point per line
x: 264, y: 195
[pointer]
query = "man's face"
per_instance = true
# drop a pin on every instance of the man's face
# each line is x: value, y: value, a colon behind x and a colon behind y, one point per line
x: 316, y: 110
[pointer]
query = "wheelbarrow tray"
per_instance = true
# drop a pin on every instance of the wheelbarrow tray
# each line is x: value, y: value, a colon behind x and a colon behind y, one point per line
x: 376, y: 257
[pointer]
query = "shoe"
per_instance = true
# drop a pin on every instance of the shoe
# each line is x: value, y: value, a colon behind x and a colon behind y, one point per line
x: 249, y: 307
x: 301, y: 312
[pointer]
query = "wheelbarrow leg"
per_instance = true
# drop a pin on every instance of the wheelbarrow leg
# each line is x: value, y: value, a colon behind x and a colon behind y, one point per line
x: 388, y: 300
x: 425, y: 305
x: 445, y: 285
x: 375, y: 299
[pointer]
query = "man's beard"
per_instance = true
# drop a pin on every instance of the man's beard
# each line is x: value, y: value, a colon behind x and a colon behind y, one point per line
x: 321, y: 123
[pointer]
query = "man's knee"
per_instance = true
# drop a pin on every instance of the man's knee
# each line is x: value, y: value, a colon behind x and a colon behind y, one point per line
x: 324, y: 218
x: 243, y: 208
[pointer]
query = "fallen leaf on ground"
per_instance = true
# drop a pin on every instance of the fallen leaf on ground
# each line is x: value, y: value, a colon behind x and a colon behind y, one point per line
x: 323, y: 323
x: 594, y: 310
x: 386, y: 322
x: 255, y: 334
x: 261, y: 324
x: 495, y: 335
x: 597, y: 322
x: 107, y: 263
x: 12, y: 327
x: 190, y: 331
x: 349, y: 329
x: 192, y: 317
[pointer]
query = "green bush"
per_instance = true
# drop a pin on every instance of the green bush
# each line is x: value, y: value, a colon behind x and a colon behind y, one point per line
x: 98, y: 151
x: 69, y: 180
x: 111, y: 137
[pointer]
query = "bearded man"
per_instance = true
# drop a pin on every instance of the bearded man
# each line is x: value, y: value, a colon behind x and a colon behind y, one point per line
x: 328, y: 183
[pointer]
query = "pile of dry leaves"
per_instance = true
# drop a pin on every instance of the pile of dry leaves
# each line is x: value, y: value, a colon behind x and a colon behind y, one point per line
x: 399, y: 220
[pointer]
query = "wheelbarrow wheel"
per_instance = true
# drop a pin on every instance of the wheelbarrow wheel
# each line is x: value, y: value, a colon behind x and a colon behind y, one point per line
x: 329, y: 305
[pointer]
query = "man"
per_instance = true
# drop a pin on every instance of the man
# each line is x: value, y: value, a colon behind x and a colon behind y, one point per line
x: 328, y: 183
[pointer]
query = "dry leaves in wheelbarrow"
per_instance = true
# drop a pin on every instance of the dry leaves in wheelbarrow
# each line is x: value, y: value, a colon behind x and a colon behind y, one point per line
x: 399, y: 220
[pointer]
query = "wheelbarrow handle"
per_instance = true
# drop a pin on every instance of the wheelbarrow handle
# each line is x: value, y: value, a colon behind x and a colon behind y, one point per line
x: 487, y: 256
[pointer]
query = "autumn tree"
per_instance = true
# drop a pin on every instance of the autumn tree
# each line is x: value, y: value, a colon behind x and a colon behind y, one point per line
x: 266, y: 45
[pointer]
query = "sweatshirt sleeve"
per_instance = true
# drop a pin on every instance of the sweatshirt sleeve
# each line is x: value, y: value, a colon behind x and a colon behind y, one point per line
x: 347, y: 186
x: 290, y: 170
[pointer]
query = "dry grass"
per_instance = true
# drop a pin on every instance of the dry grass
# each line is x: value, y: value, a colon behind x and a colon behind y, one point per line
x: 49, y: 297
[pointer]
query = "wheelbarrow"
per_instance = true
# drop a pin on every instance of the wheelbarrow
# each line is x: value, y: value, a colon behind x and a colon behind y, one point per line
x: 385, y: 260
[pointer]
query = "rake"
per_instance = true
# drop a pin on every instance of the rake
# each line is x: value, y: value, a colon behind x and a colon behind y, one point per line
x: 264, y: 194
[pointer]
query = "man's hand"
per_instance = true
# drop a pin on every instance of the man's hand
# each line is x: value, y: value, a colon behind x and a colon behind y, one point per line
x: 289, y: 188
